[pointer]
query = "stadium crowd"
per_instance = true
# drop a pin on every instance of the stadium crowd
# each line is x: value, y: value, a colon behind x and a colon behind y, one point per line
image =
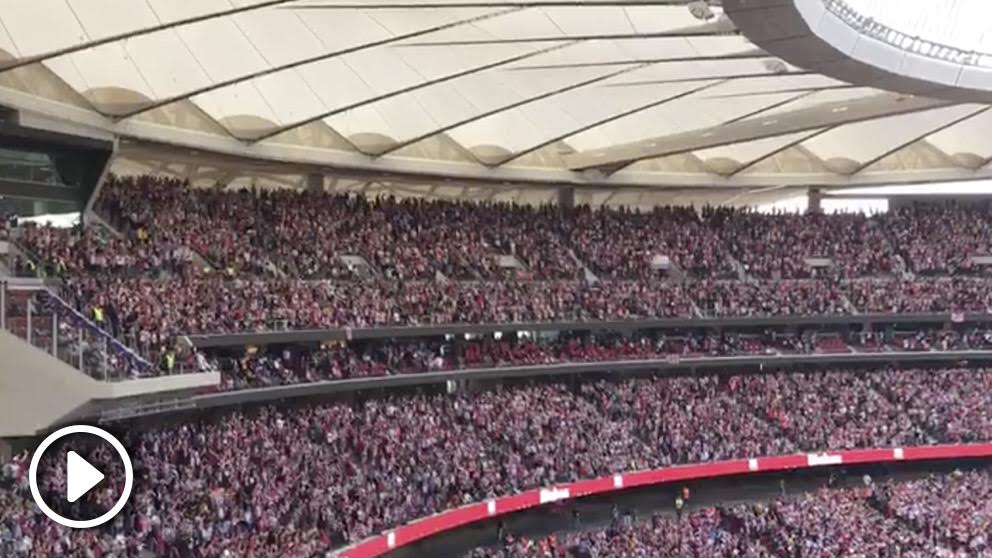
x: 777, y: 245
x: 826, y: 523
x: 168, y: 307
x: 302, y: 363
x: 211, y: 260
x: 304, y: 235
x: 940, y: 238
x: 301, y: 480
x: 942, y: 515
x: 298, y: 364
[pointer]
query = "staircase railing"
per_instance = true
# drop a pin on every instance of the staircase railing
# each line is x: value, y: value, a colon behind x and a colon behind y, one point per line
x: 44, y: 320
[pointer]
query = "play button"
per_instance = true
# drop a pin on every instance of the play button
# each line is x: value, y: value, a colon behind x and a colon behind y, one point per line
x: 80, y: 476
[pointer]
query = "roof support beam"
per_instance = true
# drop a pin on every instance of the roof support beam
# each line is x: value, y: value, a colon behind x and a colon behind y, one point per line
x: 762, y: 110
x: 773, y: 106
x: 810, y: 118
x: 751, y: 75
x: 720, y: 28
x: 600, y: 37
x: 310, y: 60
x: 524, y: 4
x: 510, y: 106
x: 924, y: 135
x: 34, y: 190
x: 607, y: 120
x: 417, y: 86
x: 744, y: 55
x: 804, y: 90
x: 27, y: 61
x: 781, y: 149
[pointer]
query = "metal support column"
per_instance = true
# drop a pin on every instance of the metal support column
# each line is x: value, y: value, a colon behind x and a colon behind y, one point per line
x: 55, y: 335
x: 315, y: 183
x: 566, y: 198
x: 84, y: 215
x: 104, y: 358
x: 3, y: 305
x: 815, y: 197
x: 30, y: 325
x: 79, y: 349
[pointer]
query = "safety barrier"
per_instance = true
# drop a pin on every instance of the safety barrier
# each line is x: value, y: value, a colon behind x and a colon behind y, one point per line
x: 417, y: 530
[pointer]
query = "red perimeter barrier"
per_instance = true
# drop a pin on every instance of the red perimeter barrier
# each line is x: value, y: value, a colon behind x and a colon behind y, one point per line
x: 411, y: 532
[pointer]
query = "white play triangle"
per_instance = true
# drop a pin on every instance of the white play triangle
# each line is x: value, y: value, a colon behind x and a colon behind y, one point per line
x: 80, y: 476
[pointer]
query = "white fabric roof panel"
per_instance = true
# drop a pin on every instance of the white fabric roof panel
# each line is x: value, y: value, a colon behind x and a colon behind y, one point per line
x: 876, y: 137
x: 244, y: 71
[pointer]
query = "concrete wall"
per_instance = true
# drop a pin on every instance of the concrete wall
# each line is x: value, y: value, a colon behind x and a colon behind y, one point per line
x: 35, y: 388
x: 164, y: 384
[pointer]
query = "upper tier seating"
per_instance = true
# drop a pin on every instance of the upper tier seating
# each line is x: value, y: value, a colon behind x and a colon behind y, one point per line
x: 941, y: 238
x: 195, y: 260
x: 776, y: 246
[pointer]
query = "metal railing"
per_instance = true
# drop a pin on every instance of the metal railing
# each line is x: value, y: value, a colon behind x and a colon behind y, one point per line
x: 47, y: 322
x: 922, y: 46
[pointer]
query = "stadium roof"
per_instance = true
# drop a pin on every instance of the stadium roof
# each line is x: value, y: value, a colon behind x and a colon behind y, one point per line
x: 505, y: 91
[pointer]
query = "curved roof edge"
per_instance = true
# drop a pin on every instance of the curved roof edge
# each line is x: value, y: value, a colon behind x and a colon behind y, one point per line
x: 47, y: 114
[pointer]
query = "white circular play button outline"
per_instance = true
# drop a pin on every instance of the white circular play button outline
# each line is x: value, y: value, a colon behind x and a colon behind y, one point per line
x: 62, y: 433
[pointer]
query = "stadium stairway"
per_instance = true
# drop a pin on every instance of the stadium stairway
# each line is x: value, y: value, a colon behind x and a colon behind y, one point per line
x: 39, y: 391
x: 54, y: 355
x: 738, y: 268
x: 589, y: 276
x: 36, y: 390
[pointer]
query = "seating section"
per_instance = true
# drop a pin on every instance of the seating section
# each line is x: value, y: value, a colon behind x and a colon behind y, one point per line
x: 621, y: 244
x: 304, y: 480
x: 304, y: 235
x: 941, y: 239
x: 901, y: 296
x: 776, y: 246
x: 953, y: 509
x: 214, y: 304
x: 944, y: 515
x: 293, y: 364
x: 771, y: 298
x: 197, y: 260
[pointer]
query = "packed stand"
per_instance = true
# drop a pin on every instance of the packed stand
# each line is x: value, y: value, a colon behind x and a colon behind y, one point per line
x: 211, y: 260
x: 832, y: 522
x: 949, y: 404
x: 668, y: 414
x: 303, y: 364
x: 771, y: 298
x: 902, y: 296
x: 301, y: 480
x: 854, y: 415
x: 93, y: 251
x: 701, y: 533
x: 824, y: 523
x: 629, y: 244
x: 941, y: 238
x: 216, y: 225
x: 777, y: 245
x: 304, y: 234
x: 942, y: 340
x: 955, y: 509
x: 212, y: 304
